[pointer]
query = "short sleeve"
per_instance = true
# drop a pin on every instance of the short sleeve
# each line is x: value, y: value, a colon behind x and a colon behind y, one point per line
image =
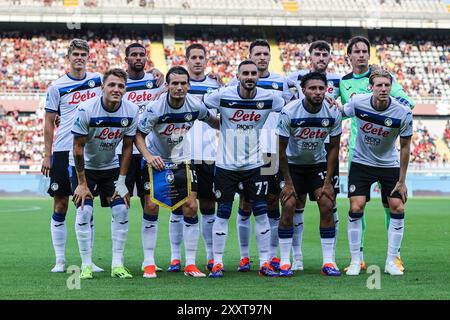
x: 147, y: 119
x: 131, y: 130
x: 212, y: 99
x: 337, y: 127
x: 406, y: 129
x: 277, y: 103
x: 52, y: 100
x: 80, y: 125
x: 287, y: 94
x: 349, y: 109
x: 204, y: 113
x: 283, y: 127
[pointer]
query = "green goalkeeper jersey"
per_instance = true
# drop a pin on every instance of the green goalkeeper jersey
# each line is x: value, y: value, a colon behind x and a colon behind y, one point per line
x: 352, y: 84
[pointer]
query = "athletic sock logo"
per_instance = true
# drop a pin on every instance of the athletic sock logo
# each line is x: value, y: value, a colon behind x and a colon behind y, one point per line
x: 264, y: 232
x: 124, y: 222
x: 399, y: 228
x: 82, y: 224
x: 298, y: 224
x: 149, y: 227
x: 245, y: 219
x: 221, y: 234
x: 58, y: 225
x: 174, y: 221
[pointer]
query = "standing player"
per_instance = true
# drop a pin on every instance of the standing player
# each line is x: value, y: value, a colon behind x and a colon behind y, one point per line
x: 380, y: 120
x: 307, y: 167
x: 141, y: 87
x: 357, y: 82
x: 63, y: 98
x: 244, y: 110
x: 320, y: 57
x: 260, y: 55
x: 168, y: 120
x: 203, y: 142
x: 99, y: 125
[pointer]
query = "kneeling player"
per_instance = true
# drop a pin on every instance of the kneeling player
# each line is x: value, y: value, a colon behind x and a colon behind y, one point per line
x: 169, y: 119
x: 99, y: 125
x: 303, y: 127
x: 380, y: 120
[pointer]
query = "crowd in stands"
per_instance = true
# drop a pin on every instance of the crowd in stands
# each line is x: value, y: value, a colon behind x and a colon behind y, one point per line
x: 21, y: 138
x: 423, y: 146
x: 447, y: 134
x: 31, y: 63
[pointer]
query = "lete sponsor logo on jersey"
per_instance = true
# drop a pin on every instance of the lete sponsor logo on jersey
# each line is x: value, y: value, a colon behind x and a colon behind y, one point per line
x: 108, y: 134
x: 79, y: 97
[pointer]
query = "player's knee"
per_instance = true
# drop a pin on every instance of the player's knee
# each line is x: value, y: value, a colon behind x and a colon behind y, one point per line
x: 224, y: 210
x: 207, y: 204
x: 325, y: 207
x: 150, y: 207
x: 259, y: 208
x: 301, y: 201
x: 190, y: 208
x: 396, y: 206
x: 119, y: 209
x: 84, y: 213
x: 244, y: 204
x: 61, y: 204
x: 357, y: 206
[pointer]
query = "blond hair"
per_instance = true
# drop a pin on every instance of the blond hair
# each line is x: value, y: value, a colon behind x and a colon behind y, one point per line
x: 378, y: 72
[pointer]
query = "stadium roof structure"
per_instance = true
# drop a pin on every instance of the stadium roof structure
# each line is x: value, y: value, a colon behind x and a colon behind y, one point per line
x: 433, y: 14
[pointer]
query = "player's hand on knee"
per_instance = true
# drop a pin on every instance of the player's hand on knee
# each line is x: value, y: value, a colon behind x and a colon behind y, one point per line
x: 156, y: 162
x: 45, y: 169
x: 80, y: 194
x: 326, y: 191
x: 286, y: 193
x: 122, y: 190
x: 401, y: 188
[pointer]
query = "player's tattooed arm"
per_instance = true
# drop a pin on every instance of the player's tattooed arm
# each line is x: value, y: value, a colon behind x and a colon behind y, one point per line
x: 78, y: 157
x: 405, y: 149
x: 288, y: 190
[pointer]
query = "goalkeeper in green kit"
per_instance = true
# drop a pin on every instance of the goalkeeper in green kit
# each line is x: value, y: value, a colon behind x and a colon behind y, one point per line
x: 357, y: 82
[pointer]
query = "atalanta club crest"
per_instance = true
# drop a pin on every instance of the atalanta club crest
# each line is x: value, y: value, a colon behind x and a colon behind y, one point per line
x: 352, y: 188
x: 170, y: 178
x: 91, y: 83
x: 188, y: 116
x: 218, y: 194
x: 54, y: 186
x: 124, y: 122
x: 209, y: 90
x: 325, y: 123
x: 275, y: 85
x: 260, y: 105
x: 147, y: 186
x: 388, y: 122
x: 149, y: 84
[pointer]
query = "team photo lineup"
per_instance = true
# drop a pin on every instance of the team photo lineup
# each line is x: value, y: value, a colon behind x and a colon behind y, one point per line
x: 190, y: 143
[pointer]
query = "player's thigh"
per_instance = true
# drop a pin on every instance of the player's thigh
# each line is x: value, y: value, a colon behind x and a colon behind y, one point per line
x: 226, y: 184
x: 59, y: 175
x: 298, y: 178
x: 205, y: 181
x: 360, y: 179
x: 150, y: 207
x: 388, y: 179
x: 105, y: 184
x: 255, y: 185
x: 91, y: 180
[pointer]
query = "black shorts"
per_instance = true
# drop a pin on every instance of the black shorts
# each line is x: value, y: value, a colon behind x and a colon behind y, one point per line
x: 205, y: 177
x: 59, y: 175
x: 134, y: 175
x: 146, y: 178
x: 335, y: 181
x: 100, y: 182
x: 226, y: 183
x: 361, y: 178
x: 308, y: 178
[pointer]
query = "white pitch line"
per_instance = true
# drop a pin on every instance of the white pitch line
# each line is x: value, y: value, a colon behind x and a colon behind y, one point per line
x: 12, y: 210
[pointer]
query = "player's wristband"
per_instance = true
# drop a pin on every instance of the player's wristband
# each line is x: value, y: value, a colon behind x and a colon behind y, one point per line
x: 121, y: 179
x: 121, y: 188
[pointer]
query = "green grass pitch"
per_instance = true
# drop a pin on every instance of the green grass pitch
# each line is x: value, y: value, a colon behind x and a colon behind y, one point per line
x: 26, y: 255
